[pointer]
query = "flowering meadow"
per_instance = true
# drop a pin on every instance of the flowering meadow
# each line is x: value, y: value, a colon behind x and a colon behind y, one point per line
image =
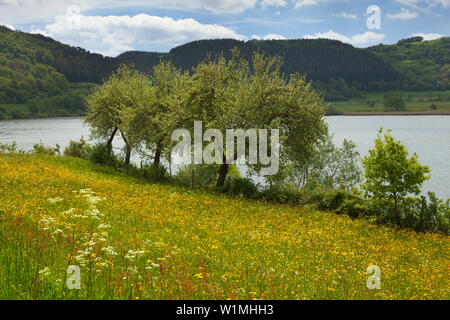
x: 134, y: 240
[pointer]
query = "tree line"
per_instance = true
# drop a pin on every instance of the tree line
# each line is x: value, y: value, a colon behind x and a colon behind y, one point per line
x: 223, y: 94
x: 38, y: 68
x: 33, y: 66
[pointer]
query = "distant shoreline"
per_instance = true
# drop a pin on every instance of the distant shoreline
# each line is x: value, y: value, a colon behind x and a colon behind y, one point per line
x: 399, y: 113
x: 344, y: 114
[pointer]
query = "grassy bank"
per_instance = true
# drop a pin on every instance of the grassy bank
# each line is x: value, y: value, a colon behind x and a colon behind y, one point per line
x: 415, y: 102
x: 134, y: 240
x: 399, y: 113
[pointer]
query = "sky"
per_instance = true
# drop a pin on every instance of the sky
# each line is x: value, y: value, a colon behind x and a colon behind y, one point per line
x: 113, y: 27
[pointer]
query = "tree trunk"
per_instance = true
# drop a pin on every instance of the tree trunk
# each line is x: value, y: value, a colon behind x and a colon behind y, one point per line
x: 110, y: 140
x: 127, y: 150
x: 127, y: 155
x: 397, y: 214
x: 157, y: 154
x: 222, y: 172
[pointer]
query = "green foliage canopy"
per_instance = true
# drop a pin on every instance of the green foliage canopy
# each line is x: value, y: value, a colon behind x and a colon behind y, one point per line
x: 390, y: 175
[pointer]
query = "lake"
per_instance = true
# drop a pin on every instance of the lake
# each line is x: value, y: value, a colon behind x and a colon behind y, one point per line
x: 428, y: 136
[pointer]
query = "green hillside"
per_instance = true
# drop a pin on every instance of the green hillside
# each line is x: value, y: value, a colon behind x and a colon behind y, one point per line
x: 41, y: 77
x: 50, y: 78
x: 423, y: 65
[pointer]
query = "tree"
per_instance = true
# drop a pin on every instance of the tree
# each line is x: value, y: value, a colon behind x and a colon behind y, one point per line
x: 218, y: 98
x: 390, y: 174
x: 154, y: 121
x: 109, y: 105
x: 371, y: 103
x: 394, y: 103
x: 288, y: 104
x: 332, y: 166
x: 231, y: 95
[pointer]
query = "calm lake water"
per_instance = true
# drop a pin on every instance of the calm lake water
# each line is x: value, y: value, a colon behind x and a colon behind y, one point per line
x: 428, y: 136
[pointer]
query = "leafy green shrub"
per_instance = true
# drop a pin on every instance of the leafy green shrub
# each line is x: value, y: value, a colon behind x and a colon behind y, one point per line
x: 155, y: 173
x: 79, y: 149
x: 41, y: 149
x: 16, y: 114
x: 102, y: 154
x: 133, y: 171
x: 243, y: 187
x: 332, y: 111
x: 10, y: 148
x: 281, y: 195
x: 332, y: 200
x: 435, y: 214
x: 330, y: 167
x: 345, y: 202
x: 203, y: 176
x: 422, y: 215
x: 371, y: 103
x: 354, y: 206
x: 391, y: 174
x: 312, y: 193
x: 394, y: 103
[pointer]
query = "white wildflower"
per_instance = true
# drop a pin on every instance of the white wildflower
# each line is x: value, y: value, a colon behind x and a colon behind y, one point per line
x: 110, y: 250
x: 68, y: 212
x: 55, y: 200
x: 45, y: 273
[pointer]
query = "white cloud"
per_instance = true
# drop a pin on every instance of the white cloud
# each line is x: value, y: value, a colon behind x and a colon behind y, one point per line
x: 273, y: 3
x: 9, y: 26
x: 367, y: 38
x: 428, y: 36
x: 411, y: 3
x: 356, y: 40
x: 26, y: 11
x: 424, y: 4
x: 404, y: 14
x: 214, y: 6
x: 270, y: 36
x: 112, y: 35
x: 346, y: 15
x: 307, y: 3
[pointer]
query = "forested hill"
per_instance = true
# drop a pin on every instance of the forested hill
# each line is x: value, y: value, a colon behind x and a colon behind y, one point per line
x: 320, y: 60
x: 44, y: 77
x: 76, y: 64
x: 423, y: 65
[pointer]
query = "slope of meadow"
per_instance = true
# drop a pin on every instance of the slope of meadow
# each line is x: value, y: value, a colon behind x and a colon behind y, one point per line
x: 134, y: 240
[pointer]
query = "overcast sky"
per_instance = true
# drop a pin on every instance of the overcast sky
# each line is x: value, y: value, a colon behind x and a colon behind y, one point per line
x: 112, y: 27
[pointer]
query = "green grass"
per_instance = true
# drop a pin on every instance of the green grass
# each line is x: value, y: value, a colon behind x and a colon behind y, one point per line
x: 15, y: 107
x: 415, y: 101
x: 134, y: 240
